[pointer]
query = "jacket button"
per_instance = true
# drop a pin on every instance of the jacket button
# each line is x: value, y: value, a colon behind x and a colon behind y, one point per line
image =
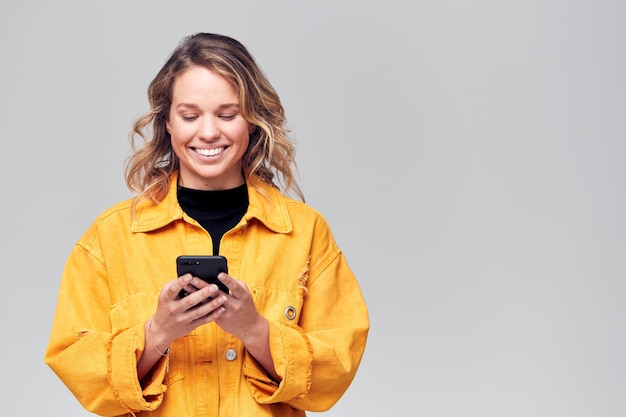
x: 290, y: 312
x: 231, y: 354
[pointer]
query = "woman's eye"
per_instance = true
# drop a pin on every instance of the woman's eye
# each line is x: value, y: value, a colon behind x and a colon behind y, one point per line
x: 188, y: 117
x: 228, y: 116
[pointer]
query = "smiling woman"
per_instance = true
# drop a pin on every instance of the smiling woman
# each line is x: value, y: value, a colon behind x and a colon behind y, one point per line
x: 209, y: 135
x: 208, y: 182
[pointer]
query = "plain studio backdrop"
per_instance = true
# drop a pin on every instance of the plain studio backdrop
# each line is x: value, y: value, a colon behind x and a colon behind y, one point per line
x: 468, y: 155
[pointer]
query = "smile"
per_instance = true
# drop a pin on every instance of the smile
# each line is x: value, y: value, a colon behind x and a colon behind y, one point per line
x: 210, y: 152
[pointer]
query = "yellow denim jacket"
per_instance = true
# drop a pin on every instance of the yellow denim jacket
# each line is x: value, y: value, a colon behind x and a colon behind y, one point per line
x: 301, y: 284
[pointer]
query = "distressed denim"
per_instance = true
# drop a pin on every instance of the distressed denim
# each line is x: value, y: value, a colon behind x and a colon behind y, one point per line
x: 301, y: 283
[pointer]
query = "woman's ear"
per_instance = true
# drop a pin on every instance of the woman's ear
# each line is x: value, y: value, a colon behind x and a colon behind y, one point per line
x: 252, y: 128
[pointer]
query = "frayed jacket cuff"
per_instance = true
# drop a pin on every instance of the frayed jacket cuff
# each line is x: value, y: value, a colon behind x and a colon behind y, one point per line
x: 125, y: 350
x: 293, y: 357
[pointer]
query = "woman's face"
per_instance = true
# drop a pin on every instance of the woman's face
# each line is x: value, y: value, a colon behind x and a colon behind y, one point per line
x: 208, y: 133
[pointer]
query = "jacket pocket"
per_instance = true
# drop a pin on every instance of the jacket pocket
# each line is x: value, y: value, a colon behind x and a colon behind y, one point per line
x: 277, y: 305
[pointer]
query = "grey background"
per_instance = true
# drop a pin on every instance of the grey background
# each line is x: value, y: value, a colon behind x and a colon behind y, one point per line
x: 469, y: 157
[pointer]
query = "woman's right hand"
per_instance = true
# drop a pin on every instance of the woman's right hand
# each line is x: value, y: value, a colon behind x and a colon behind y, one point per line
x: 176, y: 317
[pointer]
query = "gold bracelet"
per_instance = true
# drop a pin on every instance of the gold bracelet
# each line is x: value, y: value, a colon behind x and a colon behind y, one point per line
x: 167, y: 351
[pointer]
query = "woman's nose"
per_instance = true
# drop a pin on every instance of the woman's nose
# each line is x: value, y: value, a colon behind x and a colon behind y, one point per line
x: 209, y: 128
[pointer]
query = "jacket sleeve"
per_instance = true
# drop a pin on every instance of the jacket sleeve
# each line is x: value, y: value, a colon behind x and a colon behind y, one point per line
x: 318, y: 357
x: 96, y: 363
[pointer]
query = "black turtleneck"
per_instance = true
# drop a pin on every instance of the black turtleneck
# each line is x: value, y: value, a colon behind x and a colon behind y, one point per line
x: 217, y: 211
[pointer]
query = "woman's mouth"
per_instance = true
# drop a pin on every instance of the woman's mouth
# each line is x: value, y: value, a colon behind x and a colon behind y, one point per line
x: 210, y: 152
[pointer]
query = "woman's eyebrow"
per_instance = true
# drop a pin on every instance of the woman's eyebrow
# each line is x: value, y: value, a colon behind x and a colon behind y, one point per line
x: 220, y: 107
x: 228, y: 105
x: 187, y: 105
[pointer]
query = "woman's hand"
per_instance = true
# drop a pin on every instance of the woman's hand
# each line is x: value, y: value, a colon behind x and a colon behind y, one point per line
x: 176, y: 317
x: 239, y: 317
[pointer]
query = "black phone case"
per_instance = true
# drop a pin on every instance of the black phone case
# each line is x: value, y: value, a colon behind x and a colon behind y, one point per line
x: 204, y: 267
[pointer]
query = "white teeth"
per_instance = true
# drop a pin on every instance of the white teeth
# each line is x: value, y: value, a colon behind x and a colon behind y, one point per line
x: 210, y: 152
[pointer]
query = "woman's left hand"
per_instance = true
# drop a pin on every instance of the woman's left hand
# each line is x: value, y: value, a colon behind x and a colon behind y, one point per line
x: 240, y: 318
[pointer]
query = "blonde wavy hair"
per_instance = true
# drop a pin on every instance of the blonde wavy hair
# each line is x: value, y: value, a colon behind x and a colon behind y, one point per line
x: 271, y: 152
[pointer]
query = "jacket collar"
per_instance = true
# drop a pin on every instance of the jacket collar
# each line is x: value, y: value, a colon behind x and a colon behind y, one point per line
x: 266, y: 204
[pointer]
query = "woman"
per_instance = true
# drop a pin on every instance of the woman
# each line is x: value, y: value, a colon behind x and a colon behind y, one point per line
x: 289, y: 334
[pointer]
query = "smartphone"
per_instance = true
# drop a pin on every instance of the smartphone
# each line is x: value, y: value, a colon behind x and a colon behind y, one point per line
x: 204, y: 267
